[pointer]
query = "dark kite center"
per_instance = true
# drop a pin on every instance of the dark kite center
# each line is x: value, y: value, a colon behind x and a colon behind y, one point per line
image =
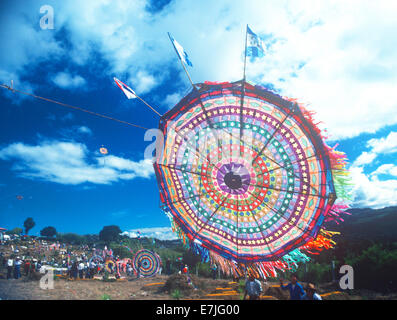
x: 233, y: 181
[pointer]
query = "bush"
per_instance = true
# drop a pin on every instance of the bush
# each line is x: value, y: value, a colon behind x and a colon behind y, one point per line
x: 176, y: 294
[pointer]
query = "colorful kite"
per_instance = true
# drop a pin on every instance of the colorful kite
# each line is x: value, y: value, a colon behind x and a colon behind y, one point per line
x: 103, y: 150
x: 110, y: 265
x: 96, y: 259
x: 149, y: 263
x: 247, y: 180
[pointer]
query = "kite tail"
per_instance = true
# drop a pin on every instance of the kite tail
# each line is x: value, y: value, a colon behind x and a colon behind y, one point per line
x: 229, y: 267
x: 309, y: 115
x: 342, y: 184
x: 261, y: 270
x: 294, y: 258
x: 322, y: 241
x: 181, y: 235
x: 336, y: 212
x: 269, y: 268
x: 204, y: 253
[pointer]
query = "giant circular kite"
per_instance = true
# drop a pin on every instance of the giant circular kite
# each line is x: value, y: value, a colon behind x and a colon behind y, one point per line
x: 247, y: 179
x: 149, y: 263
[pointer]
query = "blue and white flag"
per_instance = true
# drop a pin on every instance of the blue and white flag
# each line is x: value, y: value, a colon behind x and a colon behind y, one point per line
x: 181, y: 52
x: 254, y: 45
x: 126, y: 89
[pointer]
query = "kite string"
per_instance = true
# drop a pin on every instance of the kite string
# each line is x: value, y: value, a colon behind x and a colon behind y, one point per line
x: 73, y: 107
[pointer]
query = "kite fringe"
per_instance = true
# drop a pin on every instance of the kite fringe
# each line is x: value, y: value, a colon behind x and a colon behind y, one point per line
x: 261, y: 270
x: 294, y: 258
x: 323, y: 241
x: 342, y: 184
x: 265, y: 269
x: 338, y: 161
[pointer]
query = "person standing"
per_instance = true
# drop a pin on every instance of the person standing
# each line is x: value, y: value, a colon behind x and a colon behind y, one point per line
x: 168, y: 267
x: 296, y: 291
x: 38, y: 266
x: 27, y: 267
x: 138, y: 272
x: 129, y: 269
x: 311, y: 293
x: 17, y: 268
x: 74, y: 270
x: 253, y: 288
x: 92, y: 269
x: 10, y: 264
x: 214, y: 268
x: 81, y: 269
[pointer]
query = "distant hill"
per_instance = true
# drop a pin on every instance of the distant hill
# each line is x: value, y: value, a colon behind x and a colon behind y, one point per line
x: 362, y: 226
x: 369, y: 224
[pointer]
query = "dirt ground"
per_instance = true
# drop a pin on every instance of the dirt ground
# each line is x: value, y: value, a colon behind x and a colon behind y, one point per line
x: 160, y: 287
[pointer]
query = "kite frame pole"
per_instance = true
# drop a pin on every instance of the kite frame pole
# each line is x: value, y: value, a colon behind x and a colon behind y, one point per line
x: 183, y: 65
x: 154, y: 110
x: 147, y: 104
x: 243, y: 87
x: 245, y: 54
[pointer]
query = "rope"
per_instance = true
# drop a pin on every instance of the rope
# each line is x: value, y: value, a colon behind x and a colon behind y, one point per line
x: 74, y: 107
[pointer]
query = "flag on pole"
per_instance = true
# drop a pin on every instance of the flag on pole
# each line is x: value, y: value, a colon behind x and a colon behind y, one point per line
x: 181, y: 52
x: 126, y: 89
x: 254, y: 46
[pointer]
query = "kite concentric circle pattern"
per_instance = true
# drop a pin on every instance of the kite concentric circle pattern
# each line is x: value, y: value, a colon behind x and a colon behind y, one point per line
x: 244, y: 174
x: 149, y: 263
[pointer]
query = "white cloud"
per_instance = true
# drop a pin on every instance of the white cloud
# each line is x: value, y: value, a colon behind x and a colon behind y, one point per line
x: 339, y: 56
x: 364, y: 158
x: 144, y: 82
x: 379, y: 146
x: 70, y: 163
x: 384, y: 145
x: 172, y: 99
x: 389, y: 169
x: 371, y: 192
x: 85, y: 130
x: 22, y: 41
x: 67, y: 81
x: 161, y: 233
x: 7, y: 77
x: 378, y: 188
x: 129, y: 167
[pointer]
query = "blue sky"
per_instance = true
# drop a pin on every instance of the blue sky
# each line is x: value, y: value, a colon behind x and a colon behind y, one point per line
x: 339, y: 58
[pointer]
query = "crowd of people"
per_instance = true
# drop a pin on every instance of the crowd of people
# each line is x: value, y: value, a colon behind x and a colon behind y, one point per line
x: 75, y: 264
x: 63, y: 260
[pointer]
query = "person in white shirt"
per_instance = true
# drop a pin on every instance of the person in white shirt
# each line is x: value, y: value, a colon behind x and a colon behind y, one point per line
x: 81, y: 269
x: 17, y: 268
x: 10, y: 263
x: 253, y: 288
